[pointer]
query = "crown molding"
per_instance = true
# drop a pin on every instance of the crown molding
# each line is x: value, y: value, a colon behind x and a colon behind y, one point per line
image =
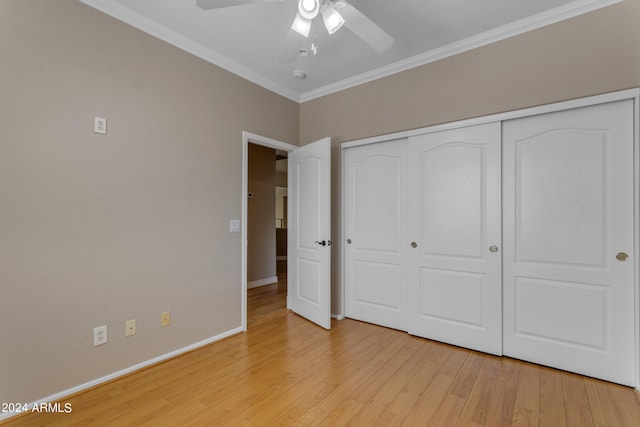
x: 163, y: 33
x: 540, y: 20
x: 515, y: 28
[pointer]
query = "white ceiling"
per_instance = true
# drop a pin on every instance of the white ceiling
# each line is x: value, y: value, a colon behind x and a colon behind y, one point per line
x: 247, y: 40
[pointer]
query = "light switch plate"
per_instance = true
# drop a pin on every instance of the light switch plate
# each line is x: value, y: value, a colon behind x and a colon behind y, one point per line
x: 234, y: 226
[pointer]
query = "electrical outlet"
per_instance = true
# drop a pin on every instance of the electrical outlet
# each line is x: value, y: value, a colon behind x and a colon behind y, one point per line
x: 100, y: 335
x: 165, y: 318
x: 130, y: 328
x: 100, y: 125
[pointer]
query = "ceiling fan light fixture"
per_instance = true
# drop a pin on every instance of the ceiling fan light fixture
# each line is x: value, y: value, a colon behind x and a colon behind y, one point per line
x: 309, y: 9
x: 301, y: 25
x: 333, y: 21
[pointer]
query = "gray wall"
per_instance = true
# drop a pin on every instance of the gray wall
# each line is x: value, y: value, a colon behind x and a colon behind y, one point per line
x: 100, y: 229
x: 96, y: 229
x: 590, y: 54
x: 261, y: 214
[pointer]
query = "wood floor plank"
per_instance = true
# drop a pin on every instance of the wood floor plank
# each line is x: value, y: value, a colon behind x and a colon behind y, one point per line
x: 287, y: 371
x: 578, y: 415
x: 342, y: 415
x: 527, y: 403
x: 294, y: 413
x: 552, y: 408
x: 399, y: 355
x: 426, y: 407
x: 502, y: 403
x: 312, y: 417
x: 523, y: 417
x: 528, y: 395
x: 603, y: 408
x: 448, y: 413
x: 466, y: 377
x: 573, y: 389
x: 477, y: 404
x: 411, y: 393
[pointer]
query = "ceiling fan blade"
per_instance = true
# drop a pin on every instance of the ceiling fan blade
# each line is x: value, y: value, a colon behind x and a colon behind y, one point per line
x: 292, y: 45
x: 219, y: 4
x: 365, y: 28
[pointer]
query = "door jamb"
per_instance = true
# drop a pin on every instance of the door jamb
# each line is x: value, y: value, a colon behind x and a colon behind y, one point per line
x: 252, y: 138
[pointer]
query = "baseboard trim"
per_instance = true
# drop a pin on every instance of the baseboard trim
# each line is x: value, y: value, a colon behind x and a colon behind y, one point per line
x: 262, y: 282
x: 123, y: 372
x: 338, y: 316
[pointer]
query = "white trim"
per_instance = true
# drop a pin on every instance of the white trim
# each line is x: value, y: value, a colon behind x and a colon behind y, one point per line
x: 73, y: 390
x: 262, y: 282
x: 337, y: 316
x: 530, y: 23
x: 248, y: 137
x: 343, y: 237
x: 163, y: 33
x: 512, y: 29
x: 526, y: 112
x: 636, y: 232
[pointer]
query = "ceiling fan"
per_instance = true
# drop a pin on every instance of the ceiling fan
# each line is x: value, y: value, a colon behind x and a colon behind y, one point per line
x: 335, y: 14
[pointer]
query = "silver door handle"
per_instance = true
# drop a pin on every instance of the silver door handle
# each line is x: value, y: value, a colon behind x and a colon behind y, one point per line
x: 493, y: 249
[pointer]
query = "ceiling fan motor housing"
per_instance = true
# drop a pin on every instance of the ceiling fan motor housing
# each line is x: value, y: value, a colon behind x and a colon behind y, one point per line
x: 309, y: 9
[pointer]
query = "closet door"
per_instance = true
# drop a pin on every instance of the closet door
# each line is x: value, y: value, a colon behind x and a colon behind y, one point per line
x: 455, y: 237
x: 375, y: 249
x: 568, y: 224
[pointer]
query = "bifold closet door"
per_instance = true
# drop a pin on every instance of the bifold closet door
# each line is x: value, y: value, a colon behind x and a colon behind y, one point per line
x: 455, y: 292
x: 568, y: 240
x: 375, y: 250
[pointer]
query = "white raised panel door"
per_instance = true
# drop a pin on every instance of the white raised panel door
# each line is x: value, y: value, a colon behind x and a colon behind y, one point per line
x: 375, y: 249
x: 455, y: 292
x: 568, y: 212
x: 310, y: 232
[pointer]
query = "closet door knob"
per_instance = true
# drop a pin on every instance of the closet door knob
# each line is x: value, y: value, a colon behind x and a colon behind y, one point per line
x: 493, y: 249
x: 622, y: 256
x: 348, y: 241
x: 414, y: 245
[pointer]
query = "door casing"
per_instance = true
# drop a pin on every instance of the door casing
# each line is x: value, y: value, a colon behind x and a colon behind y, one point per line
x: 252, y: 138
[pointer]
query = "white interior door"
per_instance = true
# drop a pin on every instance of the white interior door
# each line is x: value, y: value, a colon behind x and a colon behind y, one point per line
x: 568, y: 224
x: 309, y: 275
x: 375, y: 222
x: 455, y: 289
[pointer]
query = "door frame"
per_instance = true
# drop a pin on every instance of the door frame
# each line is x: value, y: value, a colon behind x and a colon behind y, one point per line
x: 633, y: 94
x: 252, y: 138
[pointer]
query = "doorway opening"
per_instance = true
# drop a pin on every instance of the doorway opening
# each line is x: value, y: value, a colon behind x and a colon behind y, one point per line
x: 267, y: 234
x: 264, y: 229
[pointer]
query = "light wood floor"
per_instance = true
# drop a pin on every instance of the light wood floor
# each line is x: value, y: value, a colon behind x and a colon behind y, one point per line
x: 285, y: 370
x: 266, y: 302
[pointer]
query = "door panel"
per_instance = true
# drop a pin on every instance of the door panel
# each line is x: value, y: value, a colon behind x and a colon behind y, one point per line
x: 374, y: 224
x: 310, y: 224
x: 454, y: 211
x: 452, y: 198
x: 565, y: 185
x: 568, y: 210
